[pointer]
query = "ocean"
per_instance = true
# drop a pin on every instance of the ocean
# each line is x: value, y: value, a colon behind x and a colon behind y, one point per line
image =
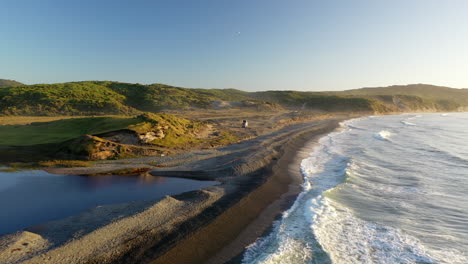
x: 386, y: 189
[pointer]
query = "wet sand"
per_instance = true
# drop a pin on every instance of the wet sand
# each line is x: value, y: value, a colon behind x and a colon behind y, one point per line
x: 235, y: 228
x: 259, y: 177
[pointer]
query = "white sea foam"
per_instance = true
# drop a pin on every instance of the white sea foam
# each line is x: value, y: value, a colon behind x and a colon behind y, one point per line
x: 320, y: 228
x: 348, y: 239
x: 383, y: 135
x: 407, y: 123
x: 292, y: 240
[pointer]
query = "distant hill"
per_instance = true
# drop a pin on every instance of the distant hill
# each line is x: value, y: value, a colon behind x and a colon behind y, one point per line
x: 106, y: 97
x: 319, y: 101
x: 8, y: 83
x: 415, y: 95
x: 422, y: 90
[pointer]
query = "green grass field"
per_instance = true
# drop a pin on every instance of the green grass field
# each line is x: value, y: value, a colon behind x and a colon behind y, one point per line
x: 178, y: 131
x: 60, y: 130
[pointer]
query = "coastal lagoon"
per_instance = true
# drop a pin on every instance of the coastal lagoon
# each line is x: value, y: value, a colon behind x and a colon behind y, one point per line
x: 33, y: 197
x: 387, y: 189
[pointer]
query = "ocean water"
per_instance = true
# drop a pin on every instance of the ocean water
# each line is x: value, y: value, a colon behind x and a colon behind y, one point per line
x: 388, y: 189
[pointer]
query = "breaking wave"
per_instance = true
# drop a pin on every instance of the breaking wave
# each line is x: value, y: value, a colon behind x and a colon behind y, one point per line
x: 362, y: 206
x: 407, y: 123
x: 348, y: 239
x: 383, y: 135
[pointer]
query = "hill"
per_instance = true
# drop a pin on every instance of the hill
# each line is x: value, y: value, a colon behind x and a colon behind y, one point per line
x: 420, y: 90
x: 8, y: 83
x: 426, y: 90
x: 321, y: 101
x: 99, y: 98
x: 415, y: 96
x: 106, y: 97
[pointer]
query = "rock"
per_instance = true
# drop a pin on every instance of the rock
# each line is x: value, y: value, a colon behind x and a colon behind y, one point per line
x: 148, y: 137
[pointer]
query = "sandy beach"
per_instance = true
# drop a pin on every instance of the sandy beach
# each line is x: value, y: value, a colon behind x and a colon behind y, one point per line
x: 257, y: 178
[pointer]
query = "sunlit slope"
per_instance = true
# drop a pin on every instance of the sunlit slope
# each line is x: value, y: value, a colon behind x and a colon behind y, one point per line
x: 88, y: 98
x: 424, y: 90
x: 66, y: 129
x: 321, y: 101
x: 8, y: 83
x: 97, y: 138
x: 418, y: 95
x: 105, y: 97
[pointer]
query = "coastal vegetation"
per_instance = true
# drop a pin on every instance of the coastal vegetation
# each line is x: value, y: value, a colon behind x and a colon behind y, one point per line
x: 321, y: 101
x: 95, y: 120
x: 94, y: 138
x: 65, y: 163
x: 168, y: 130
x: 60, y: 130
x: 8, y: 83
x: 106, y: 97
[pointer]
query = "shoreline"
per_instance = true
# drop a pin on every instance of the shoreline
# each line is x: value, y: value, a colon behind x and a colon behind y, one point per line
x: 241, y: 224
x: 289, y: 165
x: 210, y: 225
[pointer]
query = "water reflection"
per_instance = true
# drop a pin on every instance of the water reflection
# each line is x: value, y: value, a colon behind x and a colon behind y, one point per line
x: 32, y: 197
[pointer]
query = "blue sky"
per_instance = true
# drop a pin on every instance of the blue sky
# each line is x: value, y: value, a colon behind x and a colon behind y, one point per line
x: 245, y: 44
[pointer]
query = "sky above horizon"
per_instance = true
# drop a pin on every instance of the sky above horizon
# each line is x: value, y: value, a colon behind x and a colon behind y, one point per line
x: 245, y: 44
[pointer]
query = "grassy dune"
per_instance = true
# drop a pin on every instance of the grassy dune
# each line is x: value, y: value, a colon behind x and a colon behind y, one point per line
x: 99, y: 138
x: 115, y: 98
x: 177, y: 130
x: 107, y: 137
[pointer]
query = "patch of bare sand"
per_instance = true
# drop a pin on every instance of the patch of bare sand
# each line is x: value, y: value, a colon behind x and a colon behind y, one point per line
x: 89, y: 241
x: 20, y: 245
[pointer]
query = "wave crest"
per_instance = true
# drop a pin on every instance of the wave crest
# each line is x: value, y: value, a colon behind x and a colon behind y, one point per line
x: 407, y: 123
x: 383, y: 135
x: 348, y: 239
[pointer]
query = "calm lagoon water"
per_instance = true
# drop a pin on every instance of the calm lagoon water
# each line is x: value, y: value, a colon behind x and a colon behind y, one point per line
x: 33, y: 197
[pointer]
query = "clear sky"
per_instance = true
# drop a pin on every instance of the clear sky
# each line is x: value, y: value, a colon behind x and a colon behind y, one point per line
x: 245, y: 44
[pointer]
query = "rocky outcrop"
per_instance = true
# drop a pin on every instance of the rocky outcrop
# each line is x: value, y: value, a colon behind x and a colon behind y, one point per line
x: 95, y: 148
x: 151, y: 136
